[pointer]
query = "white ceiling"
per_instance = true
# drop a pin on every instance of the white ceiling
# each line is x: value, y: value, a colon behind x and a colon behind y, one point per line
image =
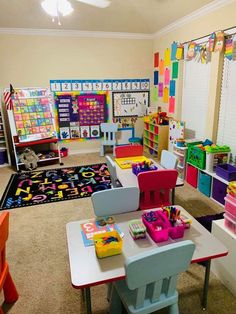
x: 129, y: 16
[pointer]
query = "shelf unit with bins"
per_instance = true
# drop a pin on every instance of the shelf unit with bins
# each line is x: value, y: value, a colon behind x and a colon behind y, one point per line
x: 181, y: 154
x: 155, y: 138
x: 4, y: 151
x: 208, y: 183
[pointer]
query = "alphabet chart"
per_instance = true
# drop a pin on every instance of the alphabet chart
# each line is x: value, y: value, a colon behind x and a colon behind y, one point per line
x: 130, y: 104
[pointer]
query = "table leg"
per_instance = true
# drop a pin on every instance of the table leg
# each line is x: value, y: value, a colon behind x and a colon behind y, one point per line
x: 173, y: 197
x: 206, y: 283
x: 86, y: 294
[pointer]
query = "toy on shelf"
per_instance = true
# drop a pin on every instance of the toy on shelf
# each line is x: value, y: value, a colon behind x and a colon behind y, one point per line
x: 143, y: 166
x: 200, y: 154
x: 107, y: 244
x: 137, y: 229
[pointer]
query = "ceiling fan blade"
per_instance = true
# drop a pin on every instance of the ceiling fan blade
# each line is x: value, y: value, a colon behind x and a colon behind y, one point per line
x: 97, y: 3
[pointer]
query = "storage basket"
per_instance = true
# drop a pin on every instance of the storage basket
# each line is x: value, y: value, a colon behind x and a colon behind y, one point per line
x: 196, y: 156
x: 104, y: 246
x: 226, y: 171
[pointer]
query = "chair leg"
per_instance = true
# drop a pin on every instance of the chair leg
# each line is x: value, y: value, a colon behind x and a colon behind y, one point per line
x: 102, y: 150
x: 115, y: 305
x: 109, y: 289
x: 9, y: 289
x: 114, y: 153
x: 174, y: 309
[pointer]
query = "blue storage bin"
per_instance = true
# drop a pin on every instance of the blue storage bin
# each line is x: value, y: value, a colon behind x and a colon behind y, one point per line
x: 204, y: 183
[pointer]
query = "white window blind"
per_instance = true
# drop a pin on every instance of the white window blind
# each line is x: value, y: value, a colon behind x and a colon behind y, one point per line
x: 226, y: 134
x: 195, y: 98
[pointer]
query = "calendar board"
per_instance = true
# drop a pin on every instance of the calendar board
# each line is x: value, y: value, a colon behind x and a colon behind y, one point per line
x: 130, y: 104
x: 31, y: 117
x: 176, y: 131
x: 80, y: 115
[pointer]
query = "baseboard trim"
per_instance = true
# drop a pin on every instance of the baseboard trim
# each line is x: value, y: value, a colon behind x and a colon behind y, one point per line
x: 84, y: 151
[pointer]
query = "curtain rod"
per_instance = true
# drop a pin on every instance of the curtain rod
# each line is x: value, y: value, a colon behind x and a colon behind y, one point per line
x: 227, y: 29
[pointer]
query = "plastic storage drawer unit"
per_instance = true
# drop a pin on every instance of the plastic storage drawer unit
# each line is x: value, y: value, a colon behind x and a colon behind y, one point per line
x: 230, y: 204
x: 219, y: 190
x: 230, y: 222
x: 204, y: 183
x: 192, y: 175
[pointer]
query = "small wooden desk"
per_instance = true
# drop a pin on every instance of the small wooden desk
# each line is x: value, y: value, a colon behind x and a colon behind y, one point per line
x: 87, y: 270
x: 128, y: 178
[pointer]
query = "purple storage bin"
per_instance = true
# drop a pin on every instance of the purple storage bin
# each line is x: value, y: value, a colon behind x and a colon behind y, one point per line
x: 3, y: 156
x: 219, y: 191
x: 136, y: 171
x: 226, y: 171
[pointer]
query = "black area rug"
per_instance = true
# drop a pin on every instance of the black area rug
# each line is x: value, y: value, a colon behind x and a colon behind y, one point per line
x: 54, y: 185
x: 206, y: 221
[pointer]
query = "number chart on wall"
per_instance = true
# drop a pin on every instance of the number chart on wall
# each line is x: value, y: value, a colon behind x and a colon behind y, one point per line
x: 80, y: 115
x: 130, y: 104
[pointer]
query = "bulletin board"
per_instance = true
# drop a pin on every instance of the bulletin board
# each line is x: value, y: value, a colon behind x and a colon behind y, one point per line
x: 130, y: 104
x: 176, y: 131
x: 80, y: 115
x: 31, y: 116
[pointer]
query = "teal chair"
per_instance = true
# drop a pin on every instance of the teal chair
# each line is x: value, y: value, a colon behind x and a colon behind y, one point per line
x: 151, y: 279
x: 112, y: 170
x: 168, y: 160
x: 109, y: 136
x: 115, y: 201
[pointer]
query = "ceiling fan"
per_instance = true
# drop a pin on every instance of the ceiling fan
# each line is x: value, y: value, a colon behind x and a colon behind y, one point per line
x: 57, y: 8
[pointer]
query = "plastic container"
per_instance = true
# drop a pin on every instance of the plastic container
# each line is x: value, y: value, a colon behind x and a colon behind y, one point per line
x: 137, y: 229
x: 230, y: 205
x: 230, y: 222
x: 214, y: 159
x: 105, y: 248
x: 136, y: 170
x: 196, y: 156
x: 226, y: 171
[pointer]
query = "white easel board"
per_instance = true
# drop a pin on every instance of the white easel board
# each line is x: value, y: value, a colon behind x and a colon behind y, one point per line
x: 176, y: 131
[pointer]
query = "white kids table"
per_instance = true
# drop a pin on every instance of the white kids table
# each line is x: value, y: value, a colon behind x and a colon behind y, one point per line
x: 87, y: 270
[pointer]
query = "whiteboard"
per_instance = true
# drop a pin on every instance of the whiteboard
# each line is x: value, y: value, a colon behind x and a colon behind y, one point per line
x: 130, y: 104
x: 176, y: 131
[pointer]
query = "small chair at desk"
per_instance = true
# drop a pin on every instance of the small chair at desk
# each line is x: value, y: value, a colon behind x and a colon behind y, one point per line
x: 151, y: 279
x: 6, y: 282
x: 155, y: 187
x: 112, y: 170
x: 109, y: 136
x: 128, y: 151
x: 115, y: 201
x: 168, y: 160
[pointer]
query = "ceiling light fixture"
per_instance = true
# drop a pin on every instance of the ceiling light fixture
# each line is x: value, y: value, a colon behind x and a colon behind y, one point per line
x: 57, y: 8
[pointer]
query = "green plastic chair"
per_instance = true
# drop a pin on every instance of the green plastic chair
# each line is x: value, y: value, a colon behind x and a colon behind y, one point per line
x: 151, y: 279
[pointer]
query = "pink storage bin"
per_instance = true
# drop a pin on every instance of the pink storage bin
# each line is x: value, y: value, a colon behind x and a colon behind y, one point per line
x: 230, y: 205
x: 230, y: 222
x: 192, y: 175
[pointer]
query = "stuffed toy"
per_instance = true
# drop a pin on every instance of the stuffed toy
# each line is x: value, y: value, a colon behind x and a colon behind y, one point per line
x: 29, y: 159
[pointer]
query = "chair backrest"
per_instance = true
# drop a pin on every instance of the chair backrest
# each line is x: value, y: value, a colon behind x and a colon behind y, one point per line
x: 112, y: 169
x: 168, y: 160
x: 128, y: 151
x: 159, y: 269
x: 155, y: 187
x: 115, y: 201
x: 4, y: 229
x: 109, y: 130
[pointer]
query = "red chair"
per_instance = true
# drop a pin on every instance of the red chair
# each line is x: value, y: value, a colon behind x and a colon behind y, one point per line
x: 155, y: 187
x: 128, y: 151
x: 6, y: 282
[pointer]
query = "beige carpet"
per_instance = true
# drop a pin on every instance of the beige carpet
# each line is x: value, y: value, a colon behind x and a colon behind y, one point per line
x: 37, y: 254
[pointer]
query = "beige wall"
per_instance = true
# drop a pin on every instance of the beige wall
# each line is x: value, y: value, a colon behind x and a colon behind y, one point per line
x: 220, y: 19
x: 34, y: 60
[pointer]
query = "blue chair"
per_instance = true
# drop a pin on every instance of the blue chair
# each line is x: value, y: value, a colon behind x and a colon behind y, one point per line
x: 109, y: 136
x: 168, y: 160
x: 115, y: 201
x: 112, y: 170
x: 151, y: 279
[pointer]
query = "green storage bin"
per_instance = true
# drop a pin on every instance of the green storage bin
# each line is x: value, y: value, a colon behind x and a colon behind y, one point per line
x: 196, y: 156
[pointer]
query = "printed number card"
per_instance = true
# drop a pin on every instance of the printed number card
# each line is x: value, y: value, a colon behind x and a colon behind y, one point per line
x: 167, y: 57
x: 166, y: 95
x: 161, y: 67
x: 167, y: 76
x: 175, y: 70
x: 156, y: 60
x: 160, y: 89
x: 172, y: 105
